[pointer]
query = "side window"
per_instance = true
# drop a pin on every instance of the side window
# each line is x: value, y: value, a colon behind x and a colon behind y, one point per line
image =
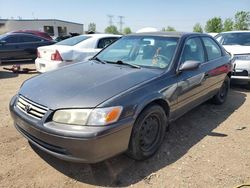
x: 105, y: 42
x: 12, y: 39
x: 213, y: 50
x: 30, y: 39
x: 193, y: 50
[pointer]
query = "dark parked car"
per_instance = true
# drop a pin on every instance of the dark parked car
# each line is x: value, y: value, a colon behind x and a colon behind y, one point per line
x: 20, y: 46
x: 35, y: 32
x: 123, y: 99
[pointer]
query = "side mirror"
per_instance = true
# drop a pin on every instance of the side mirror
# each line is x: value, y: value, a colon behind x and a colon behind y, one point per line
x: 189, y: 65
x: 2, y: 42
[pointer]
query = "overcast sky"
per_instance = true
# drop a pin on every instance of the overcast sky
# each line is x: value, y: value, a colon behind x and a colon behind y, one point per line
x: 180, y: 14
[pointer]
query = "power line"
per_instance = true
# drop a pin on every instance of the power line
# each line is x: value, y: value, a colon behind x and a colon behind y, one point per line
x: 121, y: 22
x: 110, y: 17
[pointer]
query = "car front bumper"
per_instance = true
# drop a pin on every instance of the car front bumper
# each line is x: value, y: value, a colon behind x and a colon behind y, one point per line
x: 241, y: 72
x: 89, y: 145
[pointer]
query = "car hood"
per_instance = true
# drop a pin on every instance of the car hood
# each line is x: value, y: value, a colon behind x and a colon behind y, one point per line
x: 237, y: 49
x: 83, y: 85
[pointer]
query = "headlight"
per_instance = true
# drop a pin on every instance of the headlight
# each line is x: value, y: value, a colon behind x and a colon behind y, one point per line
x: 245, y: 57
x: 92, y: 117
x: 72, y: 116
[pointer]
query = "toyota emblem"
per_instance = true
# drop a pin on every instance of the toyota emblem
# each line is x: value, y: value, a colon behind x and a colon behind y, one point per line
x: 27, y: 108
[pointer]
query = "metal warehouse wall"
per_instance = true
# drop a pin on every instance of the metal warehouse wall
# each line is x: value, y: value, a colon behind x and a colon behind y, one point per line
x: 12, y: 25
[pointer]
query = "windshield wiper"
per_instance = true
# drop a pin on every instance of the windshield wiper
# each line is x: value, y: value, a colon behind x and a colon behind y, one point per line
x: 120, y: 62
x: 97, y: 59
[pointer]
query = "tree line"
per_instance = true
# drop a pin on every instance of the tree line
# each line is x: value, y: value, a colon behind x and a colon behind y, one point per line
x: 241, y: 21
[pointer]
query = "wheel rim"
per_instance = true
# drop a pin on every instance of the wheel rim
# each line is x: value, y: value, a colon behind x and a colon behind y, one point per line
x: 149, y: 132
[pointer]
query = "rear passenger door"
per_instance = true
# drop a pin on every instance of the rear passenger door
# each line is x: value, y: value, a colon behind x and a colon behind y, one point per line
x: 215, y: 66
x: 29, y: 45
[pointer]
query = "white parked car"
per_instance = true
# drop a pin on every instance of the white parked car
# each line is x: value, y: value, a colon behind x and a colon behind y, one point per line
x: 72, y: 50
x: 238, y: 44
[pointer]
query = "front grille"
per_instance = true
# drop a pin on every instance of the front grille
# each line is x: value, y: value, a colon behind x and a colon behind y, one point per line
x: 32, y: 109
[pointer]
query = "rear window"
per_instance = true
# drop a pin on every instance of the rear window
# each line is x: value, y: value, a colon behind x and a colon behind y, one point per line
x: 73, y: 41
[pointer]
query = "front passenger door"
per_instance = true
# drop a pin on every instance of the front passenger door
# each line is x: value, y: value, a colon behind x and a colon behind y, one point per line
x: 10, y: 50
x: 191, y: 82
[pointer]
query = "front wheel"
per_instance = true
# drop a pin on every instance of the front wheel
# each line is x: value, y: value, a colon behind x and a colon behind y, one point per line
x: 148, y: 133
x: 221, y: 95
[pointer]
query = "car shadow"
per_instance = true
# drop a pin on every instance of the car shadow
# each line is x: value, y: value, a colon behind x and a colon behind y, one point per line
x: 184, y: 133
x: 5, y: 74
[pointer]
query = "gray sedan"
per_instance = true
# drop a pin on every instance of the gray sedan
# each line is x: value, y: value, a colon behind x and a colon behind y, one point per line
x: 123, y: 99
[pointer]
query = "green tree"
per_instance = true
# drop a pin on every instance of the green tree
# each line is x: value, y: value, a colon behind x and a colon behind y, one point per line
x: 111, y: 29
x: 198, y: 28
x: 92, y: 27
x: 127, y: 30
x: 228, y: 25
x: 242, y: 20
x: 214, y: 25
x: 169, y: 28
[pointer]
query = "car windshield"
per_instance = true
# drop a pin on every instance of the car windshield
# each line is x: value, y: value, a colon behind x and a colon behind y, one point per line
x: 234, y: 39
x: 145, y: 51
x: 73, y: 41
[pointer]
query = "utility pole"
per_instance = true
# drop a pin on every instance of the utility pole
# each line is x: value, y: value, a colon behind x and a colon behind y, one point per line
x: 121, y: 22
x: 110, y: 17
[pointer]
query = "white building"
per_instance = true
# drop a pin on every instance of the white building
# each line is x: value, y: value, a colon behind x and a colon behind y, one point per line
x: 53, y: 27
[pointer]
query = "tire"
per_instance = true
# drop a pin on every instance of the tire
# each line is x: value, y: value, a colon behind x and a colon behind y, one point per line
x: 247, y: 86
x: 221, y: 95
x: 148, y: 132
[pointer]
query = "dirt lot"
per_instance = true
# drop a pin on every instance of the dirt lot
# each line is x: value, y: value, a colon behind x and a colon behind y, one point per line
x: 208, y: 147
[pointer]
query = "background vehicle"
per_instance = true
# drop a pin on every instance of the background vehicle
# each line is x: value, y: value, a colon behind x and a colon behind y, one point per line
x: 212, y: 34
x: 72, y: 50
x: 238, y: 44
x: 35, y: 32
x: 122, y: 99
x: 60, y: 38
x: 20, y: 46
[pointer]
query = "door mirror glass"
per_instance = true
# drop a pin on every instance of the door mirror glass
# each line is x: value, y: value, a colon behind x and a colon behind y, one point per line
x: 189, y: 65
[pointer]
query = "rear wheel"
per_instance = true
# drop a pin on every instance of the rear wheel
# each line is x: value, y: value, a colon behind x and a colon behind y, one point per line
x: 148, y: 133
x: 221, y: 95
x: 247, y: 86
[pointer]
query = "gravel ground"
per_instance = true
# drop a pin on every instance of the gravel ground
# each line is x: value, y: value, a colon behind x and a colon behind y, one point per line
x: 207, y: 147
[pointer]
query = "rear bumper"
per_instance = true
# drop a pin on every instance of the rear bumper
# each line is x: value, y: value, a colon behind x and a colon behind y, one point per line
x: 43, y: 65
x: 99, y: 143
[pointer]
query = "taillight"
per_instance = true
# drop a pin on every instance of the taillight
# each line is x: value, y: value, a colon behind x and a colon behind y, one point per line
x: 38, y: 54
x: 56, y: 56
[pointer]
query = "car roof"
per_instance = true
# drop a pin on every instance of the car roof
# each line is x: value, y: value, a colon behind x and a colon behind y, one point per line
x: 22, y: 34
x: 102, y: 35
x: 167, y: 34
x: 239, y: 31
